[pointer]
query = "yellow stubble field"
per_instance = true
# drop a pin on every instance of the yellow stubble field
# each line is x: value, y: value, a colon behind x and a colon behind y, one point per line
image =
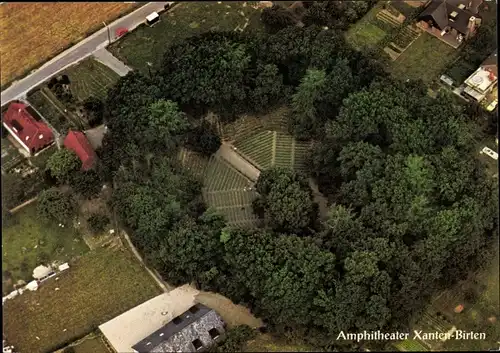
x: 32, y: 33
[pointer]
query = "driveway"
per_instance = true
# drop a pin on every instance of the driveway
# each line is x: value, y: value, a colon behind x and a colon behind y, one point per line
x: 105, y: 57
x: 79, y: 51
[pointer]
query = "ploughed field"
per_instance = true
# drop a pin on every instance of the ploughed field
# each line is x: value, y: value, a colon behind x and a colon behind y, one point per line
x: 32, y: 33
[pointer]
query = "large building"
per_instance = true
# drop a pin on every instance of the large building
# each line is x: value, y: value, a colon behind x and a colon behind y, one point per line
x: 169, y: 322
x: 32, y: 134
x: 483, y: 81
x: 195, y: 330
x: 452, y: 21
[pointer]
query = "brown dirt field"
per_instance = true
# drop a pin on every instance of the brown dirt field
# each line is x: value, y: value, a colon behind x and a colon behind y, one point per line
x: 32, y: 33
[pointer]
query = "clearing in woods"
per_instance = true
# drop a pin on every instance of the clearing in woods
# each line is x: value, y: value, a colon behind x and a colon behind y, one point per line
x: 32, y: 33
x: 261, y: 141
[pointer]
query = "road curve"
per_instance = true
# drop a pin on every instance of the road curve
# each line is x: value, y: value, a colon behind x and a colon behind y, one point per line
x: 79, y: 51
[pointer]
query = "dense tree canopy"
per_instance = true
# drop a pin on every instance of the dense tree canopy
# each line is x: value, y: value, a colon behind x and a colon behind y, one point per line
x: 277, y: 17
x: 410, y: 205
x: 285, y: 200
x: 62, y: 164
x: 54, y: 205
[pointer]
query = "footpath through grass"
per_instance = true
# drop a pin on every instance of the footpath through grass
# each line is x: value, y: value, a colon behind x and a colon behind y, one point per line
x: 147, y: 44
x: 96, y: 288
x: 27, y: 242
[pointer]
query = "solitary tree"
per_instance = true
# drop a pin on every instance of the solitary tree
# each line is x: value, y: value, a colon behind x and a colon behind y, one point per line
x: 62, y: 164
x: 54, y: 205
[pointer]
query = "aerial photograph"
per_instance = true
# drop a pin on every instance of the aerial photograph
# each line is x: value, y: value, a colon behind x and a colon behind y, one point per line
x: 250, y: 176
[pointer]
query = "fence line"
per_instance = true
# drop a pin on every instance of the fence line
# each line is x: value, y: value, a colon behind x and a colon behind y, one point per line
x: 17, y: 208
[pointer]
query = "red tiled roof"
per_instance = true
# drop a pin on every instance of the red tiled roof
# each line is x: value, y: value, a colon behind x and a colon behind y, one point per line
x: 78, y: 143
x: 34, y: 134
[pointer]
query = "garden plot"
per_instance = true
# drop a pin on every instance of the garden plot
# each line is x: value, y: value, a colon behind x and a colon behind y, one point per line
x: 96, y: 288
x: 267, y: 149
x: 90, y: 78
x: 284, y: 148
x: 370, y: 29
x: 426, y: 59
x: 51, y: 111
x: 10, y: 155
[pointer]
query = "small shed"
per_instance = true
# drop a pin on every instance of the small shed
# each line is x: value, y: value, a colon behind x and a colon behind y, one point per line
x: 152, y: 18
x: 63, y: 267
x: 41, y: 272
x: 32, y: 286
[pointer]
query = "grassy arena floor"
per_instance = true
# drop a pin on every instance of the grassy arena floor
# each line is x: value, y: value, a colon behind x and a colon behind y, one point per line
x: 98, y: 287
x: 32, y: 33
x: 147, y: 44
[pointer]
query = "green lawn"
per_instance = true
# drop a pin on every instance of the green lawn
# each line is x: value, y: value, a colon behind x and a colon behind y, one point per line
x: 90, y: 78
x: 459, y: 71
x: 27, y: 242
x: 97, y: 287
x: 147, y: 44
x: 368, y: 31
x: 476, y: 317
x: 427, y: 59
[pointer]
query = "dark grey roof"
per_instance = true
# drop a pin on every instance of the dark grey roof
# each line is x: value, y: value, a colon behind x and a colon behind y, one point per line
x: 440, y: 11
x: 178, y: 337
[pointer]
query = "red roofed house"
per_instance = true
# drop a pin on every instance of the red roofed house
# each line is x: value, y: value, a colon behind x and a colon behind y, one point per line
x: 77, y: 142
x: 33, y: 135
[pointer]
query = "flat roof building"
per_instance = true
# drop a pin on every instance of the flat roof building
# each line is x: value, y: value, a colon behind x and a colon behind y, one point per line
x: 130, y: 328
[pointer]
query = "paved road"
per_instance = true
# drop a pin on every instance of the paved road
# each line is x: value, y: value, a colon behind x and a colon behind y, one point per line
x: 78, y: 52
x: 243, y: 166
x: 105, y: 57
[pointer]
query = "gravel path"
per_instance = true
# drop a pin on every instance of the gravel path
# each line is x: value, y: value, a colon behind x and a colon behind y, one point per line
x: 228, y: 153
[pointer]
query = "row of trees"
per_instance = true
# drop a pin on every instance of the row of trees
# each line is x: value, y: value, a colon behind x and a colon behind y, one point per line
x: 410, y: 206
